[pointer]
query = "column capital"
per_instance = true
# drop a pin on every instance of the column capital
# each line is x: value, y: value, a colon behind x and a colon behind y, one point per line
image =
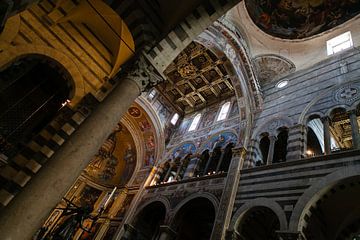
x: 143, y: 74
x: 239, y: 151
x: 325, y: 118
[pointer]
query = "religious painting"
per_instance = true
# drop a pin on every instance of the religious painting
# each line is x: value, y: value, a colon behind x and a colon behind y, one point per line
x: 127, y: 202
x: 134, y: 112
x: 209, y: 117
x: 116, y: 159
x: 145, y: 125
x: 220, y: 140
x: 183, y: 150
x: 183, y: 127
x: 296, y: 19
x: 87, y: 197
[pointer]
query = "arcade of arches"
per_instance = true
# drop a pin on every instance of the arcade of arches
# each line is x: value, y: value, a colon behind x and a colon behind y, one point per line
x: 150, y: 120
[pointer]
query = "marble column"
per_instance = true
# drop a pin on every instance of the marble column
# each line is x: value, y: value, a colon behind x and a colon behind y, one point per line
x: 166, y: 233
x: 270, y: 155
x: 220, y: 160
x: 327, y: 142
x: 28, y: 211
x: 227, y: 200
x: 191, y: 168
x: 354, y: 129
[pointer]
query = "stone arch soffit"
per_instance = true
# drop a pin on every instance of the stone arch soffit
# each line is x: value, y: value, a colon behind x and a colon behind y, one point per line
x: 271, y: 126
x: 236, y: 55
x: 158, y: 198
x: 334, y: 92
x: 159, y: 129
x: 205, y: 195
x: 205, y: 146
x: 259, y: 202
x: 139, y: 143
x: 311, y: 195
x: 12, y: 53
x: 306, y: 119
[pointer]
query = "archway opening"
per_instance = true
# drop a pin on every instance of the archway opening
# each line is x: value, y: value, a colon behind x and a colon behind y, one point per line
x: 195, y: 220
x: 259, y: 223
x: 32, y: 91
x: 334, y: 214
x: 280, y: 149
x: 224, y: 164
x: 315, y: 136
x: 148, y: 220
x: 264, y: 149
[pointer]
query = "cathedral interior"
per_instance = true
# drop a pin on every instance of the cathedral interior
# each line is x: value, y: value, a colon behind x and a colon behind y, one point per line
x: 197, y: 120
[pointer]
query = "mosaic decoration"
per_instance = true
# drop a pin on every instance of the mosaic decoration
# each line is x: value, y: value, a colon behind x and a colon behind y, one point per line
x: 220, y: 140
x: 296, y: 19
x: 116, y: 159
x: 183, y: 150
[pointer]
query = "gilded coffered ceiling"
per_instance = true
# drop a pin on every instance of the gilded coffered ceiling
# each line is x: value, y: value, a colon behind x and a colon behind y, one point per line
x: 196, y: 78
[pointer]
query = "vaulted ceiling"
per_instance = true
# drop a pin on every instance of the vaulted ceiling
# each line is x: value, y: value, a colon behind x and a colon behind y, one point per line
x: 196, y: 78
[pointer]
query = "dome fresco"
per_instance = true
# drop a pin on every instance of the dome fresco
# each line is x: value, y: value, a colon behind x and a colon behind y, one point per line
x: 296, y: 19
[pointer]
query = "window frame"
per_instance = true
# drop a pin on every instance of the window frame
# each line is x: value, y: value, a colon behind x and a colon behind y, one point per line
x: 195, y: 122
x: 172, y: 119
x: 335, y: 45
x: 221, y: 113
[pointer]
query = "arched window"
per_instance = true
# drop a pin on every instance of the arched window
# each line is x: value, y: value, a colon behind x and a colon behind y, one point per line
x: 174, y: 119
x: 195, y: 122
x: 224, y: 111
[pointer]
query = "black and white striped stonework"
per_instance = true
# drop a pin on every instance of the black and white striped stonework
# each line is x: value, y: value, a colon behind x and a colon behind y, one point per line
x: 20, y: 169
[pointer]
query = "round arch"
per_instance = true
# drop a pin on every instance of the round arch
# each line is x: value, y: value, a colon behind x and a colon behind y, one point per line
x: 11, y: 54
x: 259, y: 202
x: 163, y: 200
x: 205, y: 195
x: 310, y: 195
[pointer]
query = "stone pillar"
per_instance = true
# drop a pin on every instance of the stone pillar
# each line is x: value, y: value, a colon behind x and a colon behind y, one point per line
x: 327, y: 142
x: 227, y: 200
x: 28, y: 211
x: 354, y: 129
x: 295, y: 142
x: 166, y: 233
x: 283, y: 235
x: 220, y: 160
x: 270, y: 155
x: 189, y: 173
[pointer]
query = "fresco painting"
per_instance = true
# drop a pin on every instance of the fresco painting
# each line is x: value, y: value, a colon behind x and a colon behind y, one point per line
x: 296, y: 19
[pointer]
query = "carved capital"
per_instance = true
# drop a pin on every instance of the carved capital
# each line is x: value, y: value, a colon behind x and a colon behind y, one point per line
x: 144, y: 74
